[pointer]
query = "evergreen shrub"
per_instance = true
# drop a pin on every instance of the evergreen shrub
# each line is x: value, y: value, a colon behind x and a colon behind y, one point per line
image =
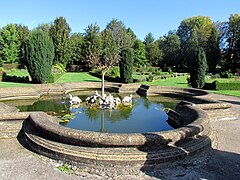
x: 39, y: 54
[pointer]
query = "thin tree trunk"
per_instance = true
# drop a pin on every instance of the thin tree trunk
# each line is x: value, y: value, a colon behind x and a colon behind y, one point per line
x: 103, y: 93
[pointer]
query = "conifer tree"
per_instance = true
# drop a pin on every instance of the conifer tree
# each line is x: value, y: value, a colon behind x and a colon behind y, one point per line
x: 198, y: 69
x: 126, y: 65
x: 39, y: 52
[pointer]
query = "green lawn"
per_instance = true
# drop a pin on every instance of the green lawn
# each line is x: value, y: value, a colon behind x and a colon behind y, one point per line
x: 19, y: 73
x: 13, y: 84
x: 180, y: 81
x: 77, y: 77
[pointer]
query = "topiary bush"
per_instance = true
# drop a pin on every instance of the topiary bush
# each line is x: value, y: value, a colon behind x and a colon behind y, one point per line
x: 198, y: 69
x: 126, y: 65
x: 39, y: 54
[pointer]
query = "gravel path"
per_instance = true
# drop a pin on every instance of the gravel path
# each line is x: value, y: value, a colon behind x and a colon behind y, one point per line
x: 221, y: 162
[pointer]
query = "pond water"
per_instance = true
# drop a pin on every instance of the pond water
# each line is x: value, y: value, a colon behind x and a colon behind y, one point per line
x: 145, y: 115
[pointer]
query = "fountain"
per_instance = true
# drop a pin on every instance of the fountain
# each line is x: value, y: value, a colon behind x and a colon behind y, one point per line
x: 45, y: 136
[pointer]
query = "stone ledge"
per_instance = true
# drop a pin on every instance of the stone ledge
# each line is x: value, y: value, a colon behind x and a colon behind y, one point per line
x: 114, y: 156
x: 43, y: 123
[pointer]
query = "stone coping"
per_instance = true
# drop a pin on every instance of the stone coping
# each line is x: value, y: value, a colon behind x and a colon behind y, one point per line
x: 53, y: 130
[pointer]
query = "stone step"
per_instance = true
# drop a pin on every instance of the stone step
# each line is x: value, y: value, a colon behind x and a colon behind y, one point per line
x: 129, y: 88
x: 113, y: 156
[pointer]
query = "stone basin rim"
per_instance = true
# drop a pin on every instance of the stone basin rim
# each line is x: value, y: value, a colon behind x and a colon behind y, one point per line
x: 88, y: 138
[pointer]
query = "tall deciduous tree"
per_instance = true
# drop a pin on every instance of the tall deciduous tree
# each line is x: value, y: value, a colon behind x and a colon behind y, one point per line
x: 198, y: 69
x: 121, y: 36
x: 23, y: 33
x: 115, y: 38
x: 59, y: 31
x: 213, y: 51
x: 202, y: 27
x: 233, y: 40
x: 139, y: 54
x: 151, y: 49
x: 39, y: 51
x: 76, y: 43
x: 170, y: 45
x: 92, y: 46
x: 9, y: 44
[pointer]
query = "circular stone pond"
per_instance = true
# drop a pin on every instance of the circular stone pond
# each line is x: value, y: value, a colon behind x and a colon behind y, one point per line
x: 123, y: 145
x: 143, y: 115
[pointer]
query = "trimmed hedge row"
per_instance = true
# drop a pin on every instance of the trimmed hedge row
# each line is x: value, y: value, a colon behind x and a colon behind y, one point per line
x: 227, y: 86
x: 216, y: 85
x: 152, y: 77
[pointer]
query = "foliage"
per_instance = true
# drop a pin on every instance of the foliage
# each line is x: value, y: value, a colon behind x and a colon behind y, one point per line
x: 226, y: 74
x: 110, y: 53
x: 44, y: 27
x: 121, y: 36
x: 66, y: 118
x: 57, y: 71
x: 113, y: 72
x: 227, y: 85
x: 75, y: 47
x: 213, y: 51
x: 23, y: 33
x: 139, y: 54
x: 59, y: 31
x: 126, y: 65
x: 149, y: 46
x: 9, y: 44
x: 198, y: 70
x: 115, y: 38
x: 170, y: 45
x: 233, y: 43
x: 64, y: 168
x: 92, y: 46
x: 39, y: 55
x: 199, y: 29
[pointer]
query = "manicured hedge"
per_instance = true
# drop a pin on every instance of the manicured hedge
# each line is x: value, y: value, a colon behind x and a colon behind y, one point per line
x: 227, y: 86
x: 216, y: 85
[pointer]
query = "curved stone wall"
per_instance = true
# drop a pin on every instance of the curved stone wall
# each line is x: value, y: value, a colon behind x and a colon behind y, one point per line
x: 47, y: 137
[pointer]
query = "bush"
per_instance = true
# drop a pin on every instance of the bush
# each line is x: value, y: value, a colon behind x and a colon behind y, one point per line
x: 140, y: 79
x: 39, y: 52
x: 227, y: 86
x: 198, y: 69
x: 126, y: 65
x: 114, y: 72
x: 226, y: 74
x: 57, y: 71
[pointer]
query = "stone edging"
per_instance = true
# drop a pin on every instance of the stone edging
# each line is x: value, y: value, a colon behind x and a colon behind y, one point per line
x: 49, y: 138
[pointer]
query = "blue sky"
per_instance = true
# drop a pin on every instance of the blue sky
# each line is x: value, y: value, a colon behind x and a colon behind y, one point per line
x: 142, y: 16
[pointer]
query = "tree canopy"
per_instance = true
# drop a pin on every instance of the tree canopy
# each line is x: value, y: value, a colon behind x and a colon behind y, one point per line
x: 60, y: 31
x: 9, y: 44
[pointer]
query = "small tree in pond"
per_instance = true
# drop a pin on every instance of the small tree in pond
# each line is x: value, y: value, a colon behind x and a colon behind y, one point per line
x: 126, y: 65
x: 39, y: 54
x: 198, y: 69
